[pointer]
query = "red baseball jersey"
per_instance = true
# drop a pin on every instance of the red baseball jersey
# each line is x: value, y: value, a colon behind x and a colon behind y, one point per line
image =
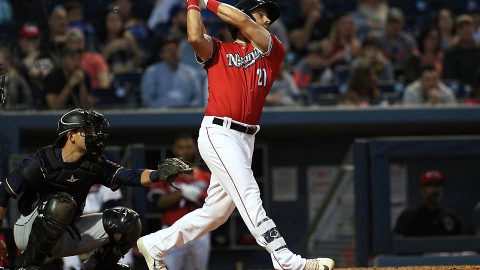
x: 200, y: 178
x: 239, y: 78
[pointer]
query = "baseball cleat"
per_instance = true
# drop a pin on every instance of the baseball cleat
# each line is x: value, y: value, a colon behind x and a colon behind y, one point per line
x: 152, y: 263
x: 319, y: 264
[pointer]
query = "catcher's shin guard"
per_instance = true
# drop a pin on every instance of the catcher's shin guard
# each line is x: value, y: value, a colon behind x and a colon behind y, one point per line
x: 123, y: 227
x: 55, y: 213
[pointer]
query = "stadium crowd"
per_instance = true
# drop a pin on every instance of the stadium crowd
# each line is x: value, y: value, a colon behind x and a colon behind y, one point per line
x: 134, y: 53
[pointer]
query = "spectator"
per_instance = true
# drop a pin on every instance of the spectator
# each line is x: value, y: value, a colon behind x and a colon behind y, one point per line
x: 462, y: 62
x: 362, y: 87
x: 133, y: 24
x: 19, y: 95
x: 428, y: 89
x: 177, y: 27
x: 284, y: 91
x: 75, y: 19
x: 313, y: 68
x: 68, y: 85
x: 309, y: 25
x: 373, y: 56
x: 397, y: 45
x: 430, y: 217
x: 31, y: 63
x: 342, y: 46
x: 429, y: 55
x: 119, y: 47
x: 176, y: 203
x: 56, y: 35
x: 92, y: 63
x: 446, y: 28
x: 6, y: 14
x: 312, y: 24
x: 161, y: 12
x: 371, y: 15
x: 170, y: 83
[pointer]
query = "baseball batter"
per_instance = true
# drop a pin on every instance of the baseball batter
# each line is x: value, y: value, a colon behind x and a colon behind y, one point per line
x: 240, y: 74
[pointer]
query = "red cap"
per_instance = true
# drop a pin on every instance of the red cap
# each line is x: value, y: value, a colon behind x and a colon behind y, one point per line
x: 431, y: 177
x: 29, y: 31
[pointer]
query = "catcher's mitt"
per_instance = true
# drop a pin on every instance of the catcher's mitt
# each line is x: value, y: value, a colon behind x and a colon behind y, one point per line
x: 169, y: 168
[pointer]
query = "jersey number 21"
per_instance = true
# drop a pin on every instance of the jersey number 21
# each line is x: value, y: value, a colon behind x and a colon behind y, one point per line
x: 262, y: 77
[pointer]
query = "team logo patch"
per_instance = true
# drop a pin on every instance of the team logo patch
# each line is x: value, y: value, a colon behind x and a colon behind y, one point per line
x: 72, y: 179
x: 236, y: 60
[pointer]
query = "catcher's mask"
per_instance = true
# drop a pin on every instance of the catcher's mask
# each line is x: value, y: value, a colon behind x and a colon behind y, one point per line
x: 91, y: 125
x: 248, y: 6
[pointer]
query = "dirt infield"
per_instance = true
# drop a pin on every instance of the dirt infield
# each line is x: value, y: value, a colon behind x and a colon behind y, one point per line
x: 463, y: 267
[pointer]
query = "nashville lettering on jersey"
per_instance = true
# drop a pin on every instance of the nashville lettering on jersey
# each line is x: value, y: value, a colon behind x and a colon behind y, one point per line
x: 235, y: 60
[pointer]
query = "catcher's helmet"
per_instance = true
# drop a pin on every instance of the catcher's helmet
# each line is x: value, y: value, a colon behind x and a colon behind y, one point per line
x: 248, y: 6
x: 84, y: 119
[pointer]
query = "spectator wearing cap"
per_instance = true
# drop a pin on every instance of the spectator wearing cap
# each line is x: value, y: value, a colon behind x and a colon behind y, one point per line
x: 68, y: 86
x: 430, y: 218
x: 92, y: 63
x: 28, y: 44
x: 169, y: 83
x: 397, y: 45
x: 177, y: 27
x: 428, y: 89
x: 462, y: 62
x: 32, y: 63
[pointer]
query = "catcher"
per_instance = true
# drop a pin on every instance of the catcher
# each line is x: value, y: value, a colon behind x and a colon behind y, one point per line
x: 52, y: 186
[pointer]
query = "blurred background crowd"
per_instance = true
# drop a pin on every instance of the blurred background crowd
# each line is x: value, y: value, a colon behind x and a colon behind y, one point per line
x: 134, y: 54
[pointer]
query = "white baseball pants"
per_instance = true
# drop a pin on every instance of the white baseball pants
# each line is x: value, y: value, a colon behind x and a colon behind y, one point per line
x: 228, y: 154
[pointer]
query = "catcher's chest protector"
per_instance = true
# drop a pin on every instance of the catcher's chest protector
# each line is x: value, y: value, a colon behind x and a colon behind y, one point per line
x: 75, y: 179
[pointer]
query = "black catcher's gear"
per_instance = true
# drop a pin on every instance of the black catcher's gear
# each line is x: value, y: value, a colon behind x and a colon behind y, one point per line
x: 123, y: 227
x: 52, y: 175
x: 55, y: 213
x: 248, y: 6
x: 92, y: 124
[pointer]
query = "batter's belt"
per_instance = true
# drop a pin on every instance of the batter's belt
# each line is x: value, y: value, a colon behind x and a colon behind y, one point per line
x: 250, y: 130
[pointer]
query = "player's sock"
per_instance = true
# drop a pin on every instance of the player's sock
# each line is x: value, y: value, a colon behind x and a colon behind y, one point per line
x: 282, y: 257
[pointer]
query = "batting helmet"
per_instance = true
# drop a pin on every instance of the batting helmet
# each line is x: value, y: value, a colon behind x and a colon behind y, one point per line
x: 83, y: 119
x: 248, y: 6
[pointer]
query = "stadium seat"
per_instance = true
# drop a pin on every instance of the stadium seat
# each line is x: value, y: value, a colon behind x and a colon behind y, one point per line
x: 124, y: 93
x: 391, y: 91
x: 461, y: 90
x: 323, y: 94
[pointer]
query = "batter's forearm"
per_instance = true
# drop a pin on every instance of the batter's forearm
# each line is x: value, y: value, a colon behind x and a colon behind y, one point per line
x: 195, y: 28
x: 232, y: 15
